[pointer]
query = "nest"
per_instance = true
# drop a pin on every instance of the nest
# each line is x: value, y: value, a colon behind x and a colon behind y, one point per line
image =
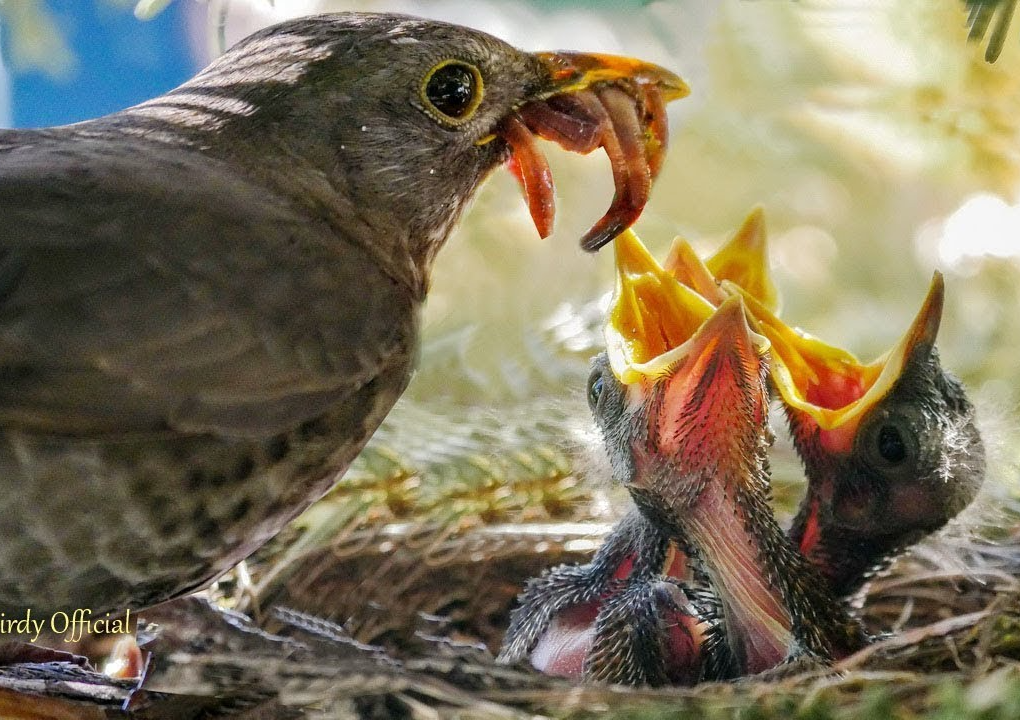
x: 394, y: 620
x: 390, y: 597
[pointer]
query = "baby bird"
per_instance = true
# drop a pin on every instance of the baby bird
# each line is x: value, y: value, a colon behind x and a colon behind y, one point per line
x: 840, y: 554
x: 686, y: 431
x: 890, y: 448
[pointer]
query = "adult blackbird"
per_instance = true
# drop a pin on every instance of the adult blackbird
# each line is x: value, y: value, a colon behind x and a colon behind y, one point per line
x: 209, y: 301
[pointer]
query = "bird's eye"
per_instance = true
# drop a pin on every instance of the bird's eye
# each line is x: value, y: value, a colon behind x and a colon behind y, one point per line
x: 595, y: 385
x: 891, y: 442
x: 891, y: 446
x: 452, y: 91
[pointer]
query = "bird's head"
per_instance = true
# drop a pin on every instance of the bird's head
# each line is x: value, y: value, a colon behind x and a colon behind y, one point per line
x: 403, y: 117
x: 680, y: 395
x: 892, y: 443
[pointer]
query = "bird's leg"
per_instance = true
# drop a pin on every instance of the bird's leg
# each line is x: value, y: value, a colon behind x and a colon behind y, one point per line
x: 650, y: 633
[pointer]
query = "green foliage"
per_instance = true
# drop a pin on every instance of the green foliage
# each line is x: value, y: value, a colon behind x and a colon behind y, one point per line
x: 982, y: 14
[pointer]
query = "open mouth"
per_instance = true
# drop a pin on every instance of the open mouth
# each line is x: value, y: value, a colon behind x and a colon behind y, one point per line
x: 606, y: 101
x: 656, y: 323
x: 652, y: 316
x: 830, y: 384
x: 826, y: 382
x: 692, y: 367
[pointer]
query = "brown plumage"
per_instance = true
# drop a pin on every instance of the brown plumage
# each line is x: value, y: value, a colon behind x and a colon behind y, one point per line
x: 209, y: 301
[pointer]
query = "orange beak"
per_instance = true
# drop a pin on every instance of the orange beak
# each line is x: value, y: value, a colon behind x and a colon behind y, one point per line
x: 744, y: 260
x: 572, y: 71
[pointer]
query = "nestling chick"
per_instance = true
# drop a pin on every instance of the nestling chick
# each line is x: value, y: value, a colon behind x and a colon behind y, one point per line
x: 890, y: 449
x: 658, y: 430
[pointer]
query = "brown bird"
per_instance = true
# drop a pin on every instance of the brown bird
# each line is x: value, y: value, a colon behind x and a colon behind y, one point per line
x: 209, y: 301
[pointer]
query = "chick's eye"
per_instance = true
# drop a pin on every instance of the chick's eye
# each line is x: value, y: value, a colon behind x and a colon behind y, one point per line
x: 891, y: 446
x: 452, y: 90
x: 595, y: 384
x: 891, y: 443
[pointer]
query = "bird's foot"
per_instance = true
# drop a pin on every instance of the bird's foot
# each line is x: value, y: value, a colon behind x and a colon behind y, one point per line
x: 126, y: 660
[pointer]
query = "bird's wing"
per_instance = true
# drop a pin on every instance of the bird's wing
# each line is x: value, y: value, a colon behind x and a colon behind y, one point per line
x: 144, y: 289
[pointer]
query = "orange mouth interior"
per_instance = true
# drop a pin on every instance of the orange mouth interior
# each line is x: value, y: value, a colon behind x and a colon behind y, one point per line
x: 828, y: 383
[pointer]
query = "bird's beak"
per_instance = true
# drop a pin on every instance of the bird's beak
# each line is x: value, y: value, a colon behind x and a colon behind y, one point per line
x: 744, y: 260
x: 591, y: 101
x: 572, y: 71
x: 652, y: 315
x: 684, y: 264
x: 831, y: 385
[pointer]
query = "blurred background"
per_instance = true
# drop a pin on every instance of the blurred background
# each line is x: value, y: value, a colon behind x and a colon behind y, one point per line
x: 880, y: 143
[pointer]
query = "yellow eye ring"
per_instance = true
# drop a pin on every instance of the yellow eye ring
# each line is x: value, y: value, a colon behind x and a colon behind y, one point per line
x: 452, y: 91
